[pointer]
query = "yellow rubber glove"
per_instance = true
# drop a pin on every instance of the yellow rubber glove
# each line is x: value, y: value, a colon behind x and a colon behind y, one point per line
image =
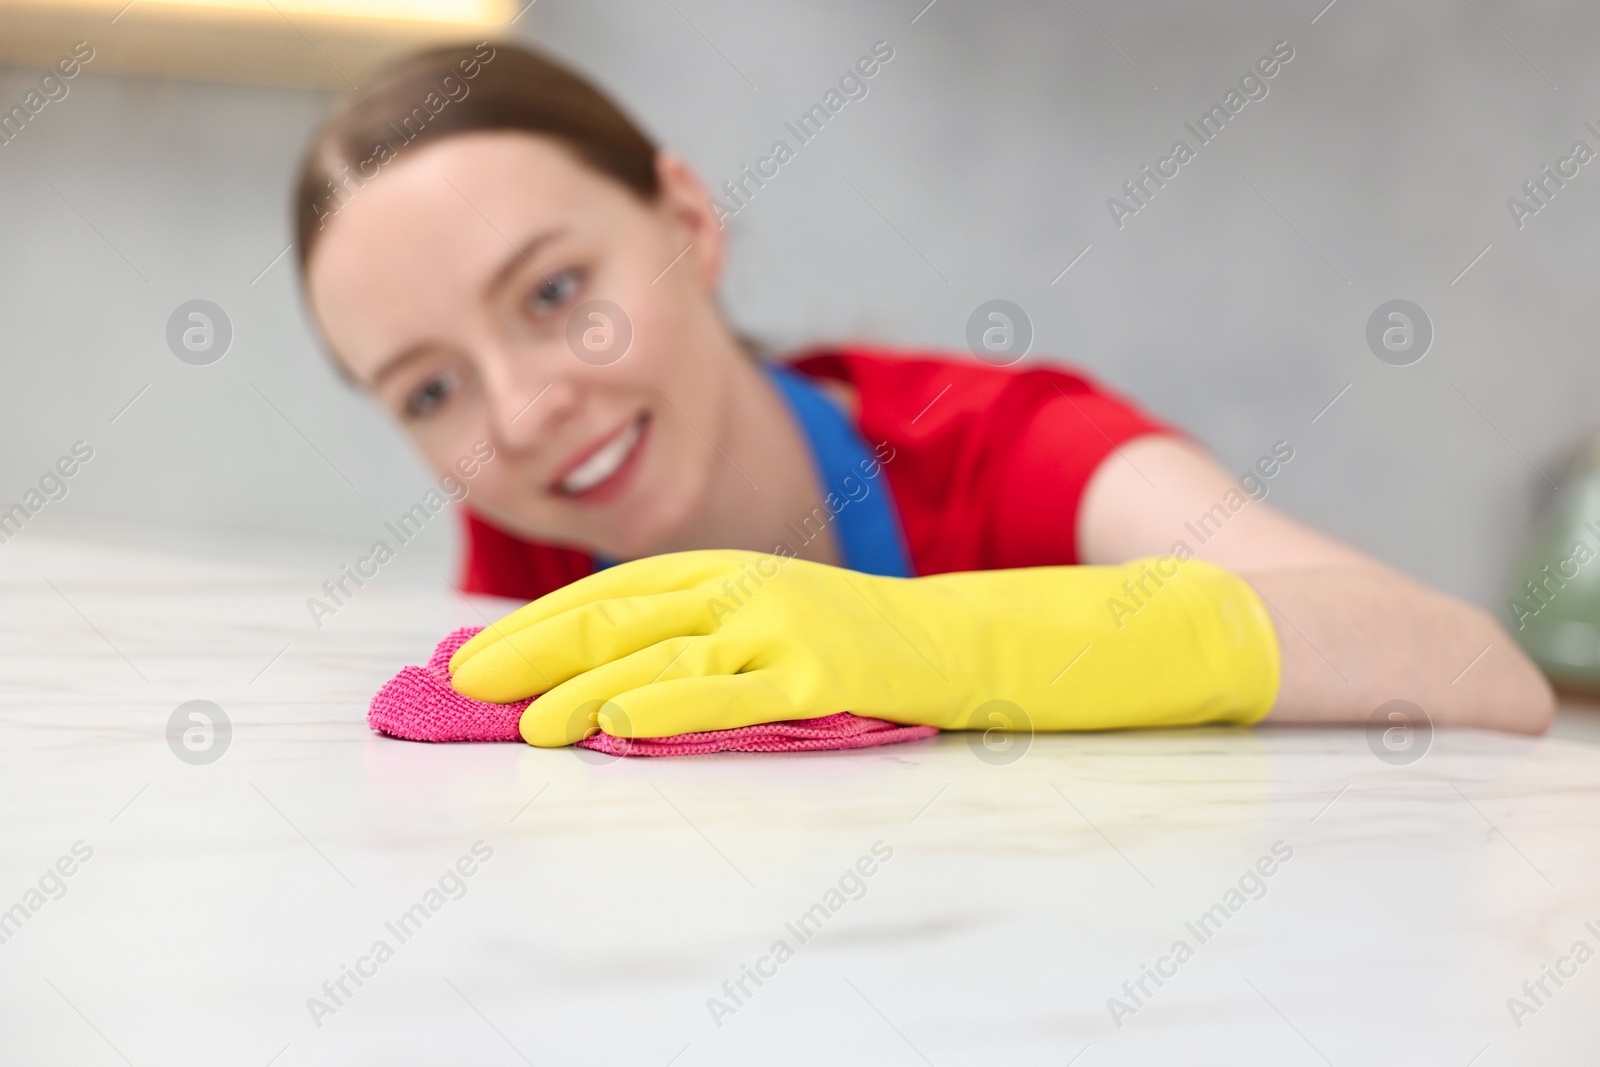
x: 716, y: 639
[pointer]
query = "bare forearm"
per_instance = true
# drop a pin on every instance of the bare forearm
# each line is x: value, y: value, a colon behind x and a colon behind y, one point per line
x: 1353, y: 638
x: 1353, y: 633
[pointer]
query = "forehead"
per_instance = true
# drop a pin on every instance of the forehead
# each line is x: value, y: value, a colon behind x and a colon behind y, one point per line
x: 403, y: 252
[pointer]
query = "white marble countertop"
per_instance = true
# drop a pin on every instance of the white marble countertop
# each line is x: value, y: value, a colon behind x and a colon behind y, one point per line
x: 1009, y: 899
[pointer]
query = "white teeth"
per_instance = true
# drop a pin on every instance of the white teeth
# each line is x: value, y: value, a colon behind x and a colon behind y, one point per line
x: 604, y: 463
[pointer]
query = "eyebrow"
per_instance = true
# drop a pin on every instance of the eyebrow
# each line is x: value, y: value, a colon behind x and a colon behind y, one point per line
x: 522, y: 254
x: 519, y: 256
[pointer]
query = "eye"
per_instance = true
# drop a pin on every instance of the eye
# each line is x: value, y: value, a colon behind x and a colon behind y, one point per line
x: 553, y: 292
x: 430, y: 395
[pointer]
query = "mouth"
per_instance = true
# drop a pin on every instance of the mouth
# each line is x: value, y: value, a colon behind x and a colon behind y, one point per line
x: 604, y: 468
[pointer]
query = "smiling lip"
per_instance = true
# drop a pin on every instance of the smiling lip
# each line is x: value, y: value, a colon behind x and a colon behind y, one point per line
x: 600, y: 471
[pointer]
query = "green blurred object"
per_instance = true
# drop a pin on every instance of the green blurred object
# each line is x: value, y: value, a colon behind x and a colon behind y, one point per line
x: 1554, y: 609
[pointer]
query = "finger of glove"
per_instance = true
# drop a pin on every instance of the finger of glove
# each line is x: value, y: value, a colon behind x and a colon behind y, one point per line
x: 698, y: 704
x: 540, y: 657
x: 654, y: 574
x: 582, y: 704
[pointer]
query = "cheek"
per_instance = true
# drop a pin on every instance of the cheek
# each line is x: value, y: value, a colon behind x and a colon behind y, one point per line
x: 444, y: 446
x: 652, y: 359
x: 675, y: 351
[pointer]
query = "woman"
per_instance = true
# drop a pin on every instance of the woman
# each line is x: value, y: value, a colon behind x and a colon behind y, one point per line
x: 502, y: 258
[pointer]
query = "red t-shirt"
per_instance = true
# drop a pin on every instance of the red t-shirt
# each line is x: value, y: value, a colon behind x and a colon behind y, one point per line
x: 988, y: 465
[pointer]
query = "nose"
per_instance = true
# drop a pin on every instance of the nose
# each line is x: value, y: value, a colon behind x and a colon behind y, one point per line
x: 526, y: 398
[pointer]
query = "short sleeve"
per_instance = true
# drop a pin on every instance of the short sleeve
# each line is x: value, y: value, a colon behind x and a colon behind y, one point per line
x: 1059, y: 428
x: 988, y: 464
x: 500, y: 564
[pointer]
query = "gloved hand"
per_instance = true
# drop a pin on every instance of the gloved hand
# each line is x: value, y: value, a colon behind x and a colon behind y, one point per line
x: 715, y: 639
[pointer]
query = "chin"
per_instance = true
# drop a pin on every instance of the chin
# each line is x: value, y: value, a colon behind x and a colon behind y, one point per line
x: 648, y: 529
x: 660, y: 517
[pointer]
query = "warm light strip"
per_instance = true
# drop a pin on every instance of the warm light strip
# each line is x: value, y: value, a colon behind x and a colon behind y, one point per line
x: 456, y: 12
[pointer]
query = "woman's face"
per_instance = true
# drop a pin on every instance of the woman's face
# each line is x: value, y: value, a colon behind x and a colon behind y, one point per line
x: 448, y: 287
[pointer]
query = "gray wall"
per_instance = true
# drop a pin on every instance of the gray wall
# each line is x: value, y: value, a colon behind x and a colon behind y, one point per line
x: 1235, y: 303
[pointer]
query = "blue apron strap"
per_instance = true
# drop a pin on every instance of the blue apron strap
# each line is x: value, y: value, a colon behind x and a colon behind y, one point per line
x: 867, y: 524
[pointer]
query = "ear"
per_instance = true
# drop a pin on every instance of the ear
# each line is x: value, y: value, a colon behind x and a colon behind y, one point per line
x: 687, y: 203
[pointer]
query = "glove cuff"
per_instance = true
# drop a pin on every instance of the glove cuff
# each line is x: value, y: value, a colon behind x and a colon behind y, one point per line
x: 1244, y: 642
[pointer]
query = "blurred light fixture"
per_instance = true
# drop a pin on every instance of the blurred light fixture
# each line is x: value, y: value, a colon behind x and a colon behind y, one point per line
x: 311, y: 43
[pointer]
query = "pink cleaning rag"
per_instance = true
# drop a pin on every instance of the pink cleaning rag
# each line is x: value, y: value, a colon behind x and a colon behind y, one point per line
x: 419, y: 704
